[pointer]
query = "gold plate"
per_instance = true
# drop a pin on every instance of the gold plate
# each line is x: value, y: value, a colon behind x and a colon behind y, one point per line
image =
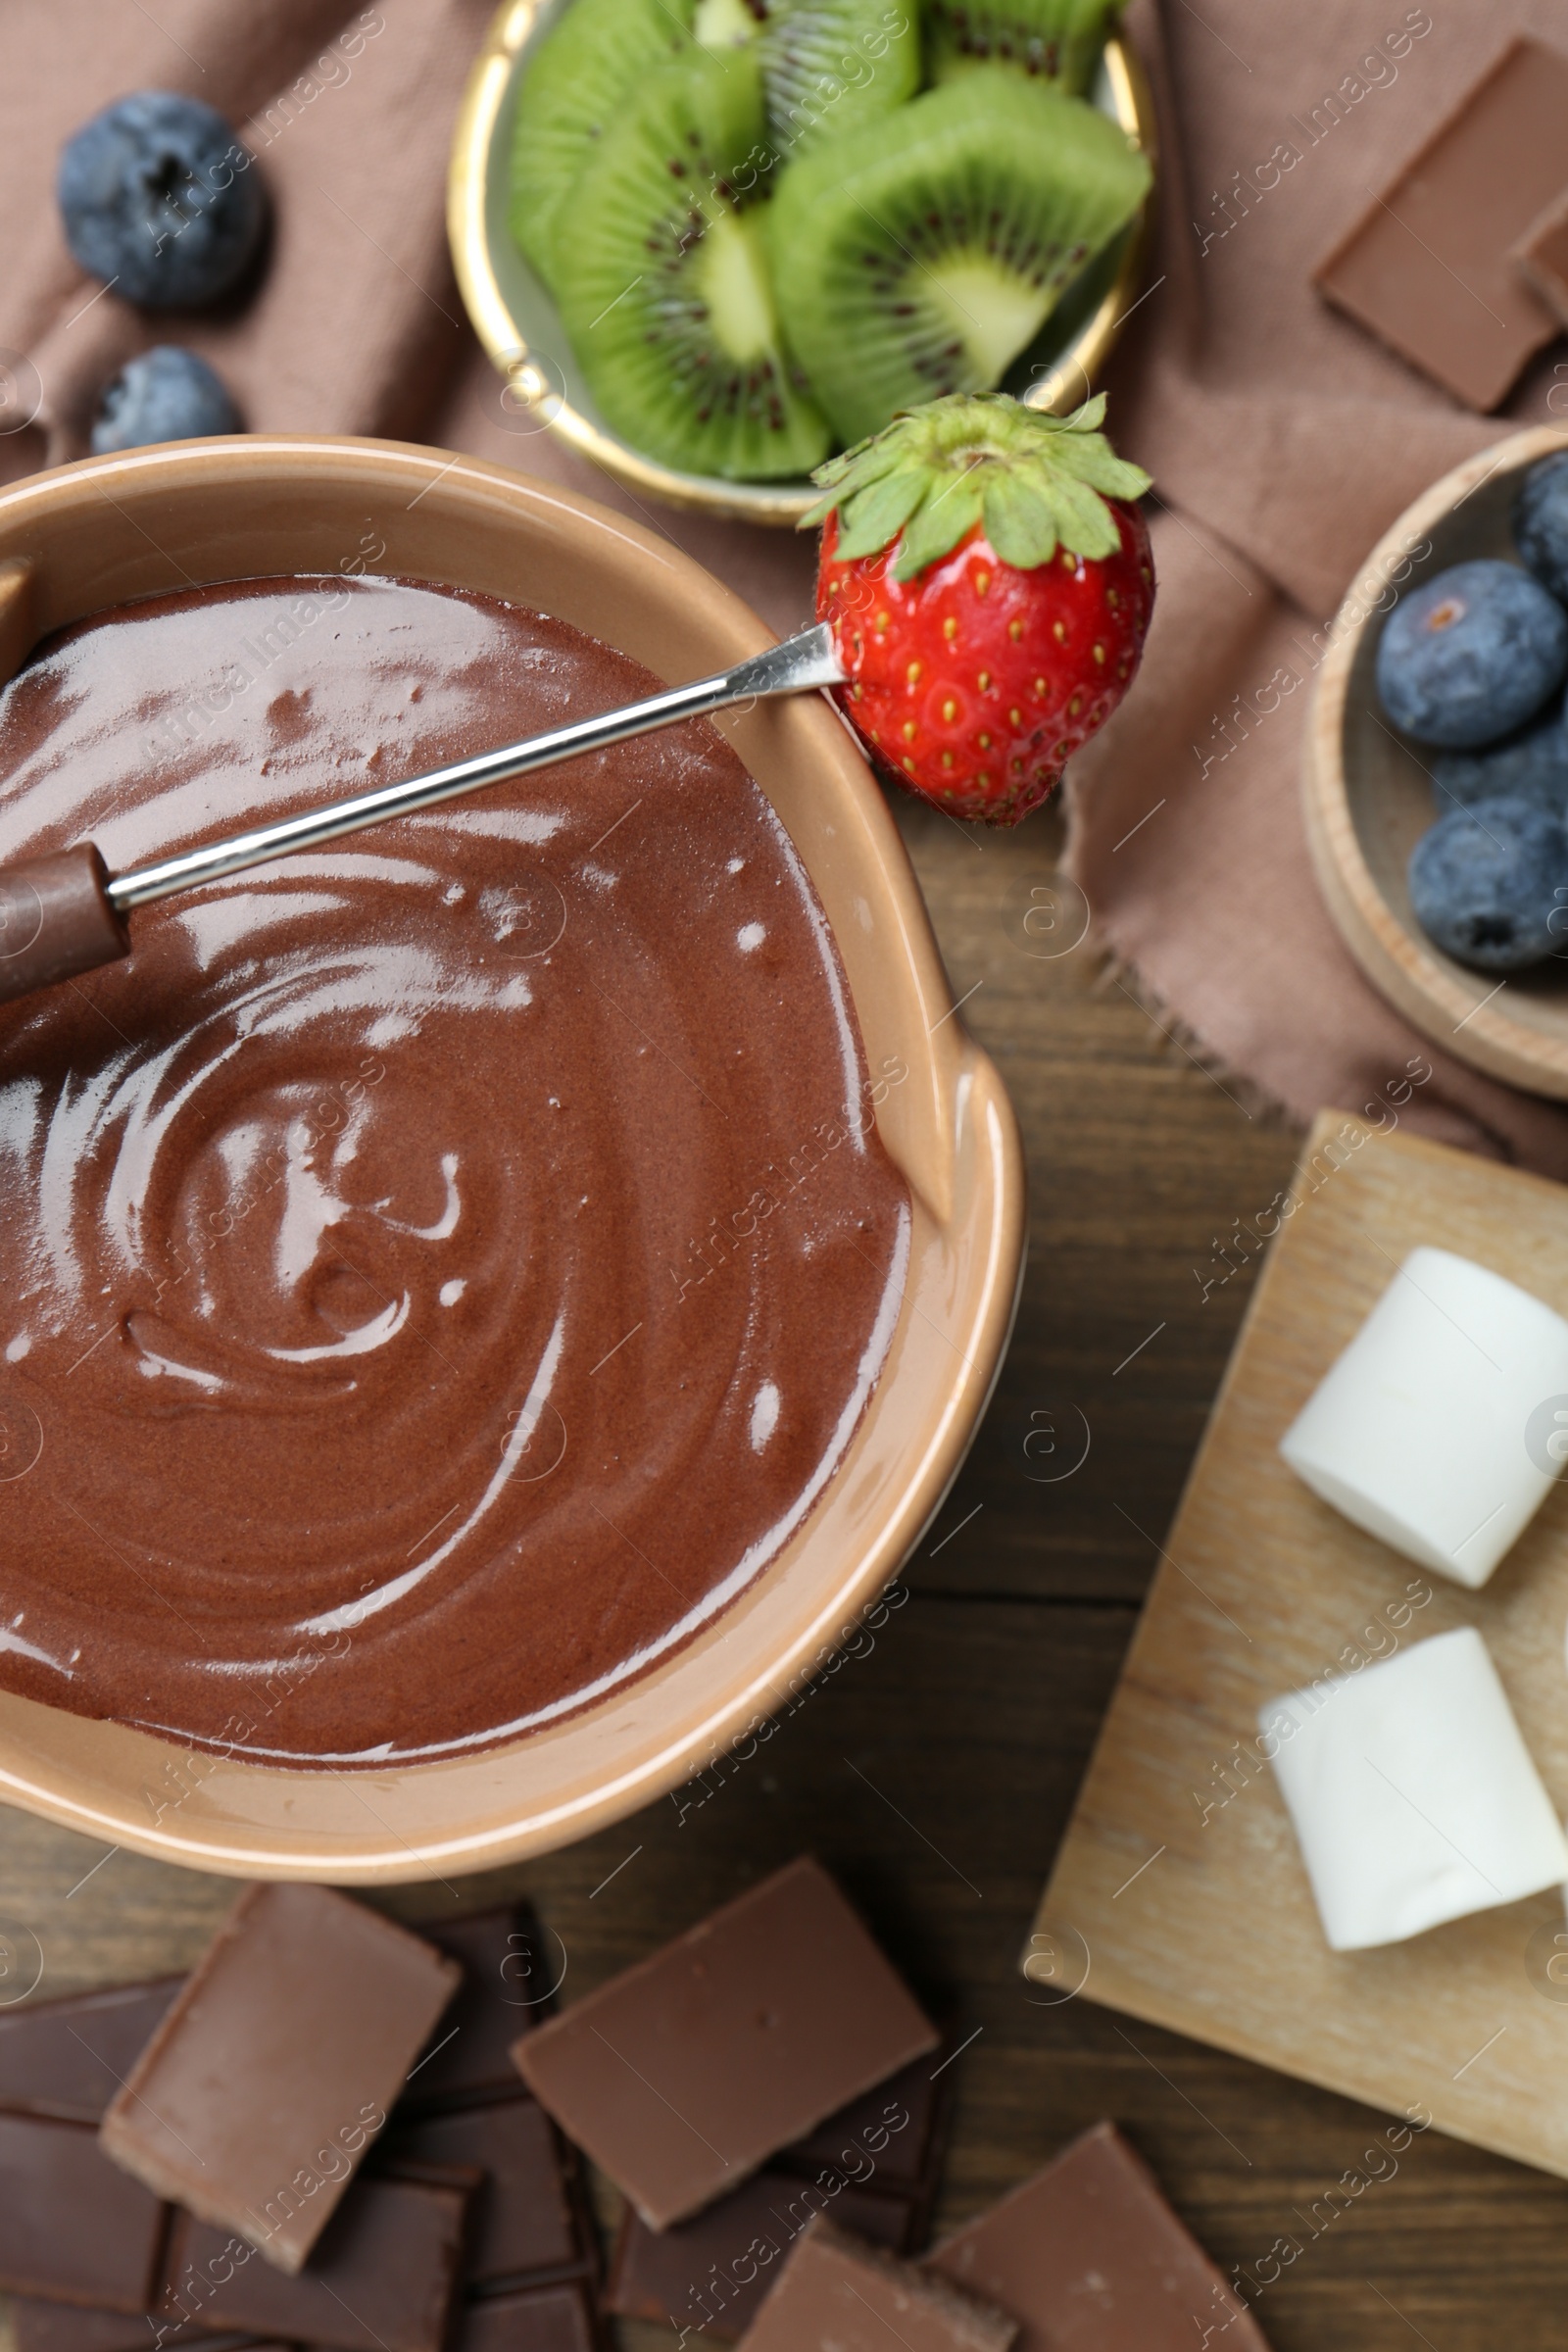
x: 518, y: 323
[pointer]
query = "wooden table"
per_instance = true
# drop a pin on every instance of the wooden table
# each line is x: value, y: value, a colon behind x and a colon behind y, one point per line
x: 936, y: 1774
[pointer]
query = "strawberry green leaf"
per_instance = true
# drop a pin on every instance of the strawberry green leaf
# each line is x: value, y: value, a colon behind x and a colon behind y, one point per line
x: 1085, y: 525
x: 939, y: 526
x: 870, y: 518
x: 1095, y: 461
x: 1020, y: 521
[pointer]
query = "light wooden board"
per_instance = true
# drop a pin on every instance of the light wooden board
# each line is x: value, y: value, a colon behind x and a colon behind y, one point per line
x: 1179, y: 1884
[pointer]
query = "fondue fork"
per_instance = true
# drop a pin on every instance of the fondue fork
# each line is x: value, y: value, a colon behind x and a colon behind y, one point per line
x: 67, y: 914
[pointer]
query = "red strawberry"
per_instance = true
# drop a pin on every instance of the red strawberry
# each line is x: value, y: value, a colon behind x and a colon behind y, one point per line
x: 989, y: 588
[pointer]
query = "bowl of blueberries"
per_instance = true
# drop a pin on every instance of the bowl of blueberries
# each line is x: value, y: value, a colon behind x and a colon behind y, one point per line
x: 1436, y: 769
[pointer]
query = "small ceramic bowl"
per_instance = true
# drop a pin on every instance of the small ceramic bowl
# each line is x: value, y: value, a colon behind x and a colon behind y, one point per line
x: 110, y: 530
x: 1368, y: 798
x: 518, y: 323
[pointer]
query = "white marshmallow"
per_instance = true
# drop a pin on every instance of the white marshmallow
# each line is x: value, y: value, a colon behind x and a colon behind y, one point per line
x: 1412, y: 1794
x: 1418, y: 1432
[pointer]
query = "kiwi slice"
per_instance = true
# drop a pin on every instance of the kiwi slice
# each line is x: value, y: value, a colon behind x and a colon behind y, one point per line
x: 667, y: 299
x: 827, y: 65
x: 830, y: 66
x: 726, y: 23
x: 1052, y: 40
x: 920, y: 255
x: 573, y: 90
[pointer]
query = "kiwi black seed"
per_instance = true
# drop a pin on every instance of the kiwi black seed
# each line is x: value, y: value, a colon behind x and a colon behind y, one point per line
x: 1055, y: 40
x: 663, y: 282
x: 574, y: 89
x: 921, y: 255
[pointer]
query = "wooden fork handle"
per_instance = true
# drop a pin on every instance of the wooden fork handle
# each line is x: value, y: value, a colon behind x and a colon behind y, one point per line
x: 56, y: 919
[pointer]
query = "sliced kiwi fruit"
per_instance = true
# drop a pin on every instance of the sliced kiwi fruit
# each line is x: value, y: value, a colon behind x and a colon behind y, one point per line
x: 665, y: 292
x: 1051, y: 40
x: 921, y: 255
x: 573, y: 91
x: 830, y: 66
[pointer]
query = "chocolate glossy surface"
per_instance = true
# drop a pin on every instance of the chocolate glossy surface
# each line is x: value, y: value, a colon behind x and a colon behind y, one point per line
x: 438, y: 1273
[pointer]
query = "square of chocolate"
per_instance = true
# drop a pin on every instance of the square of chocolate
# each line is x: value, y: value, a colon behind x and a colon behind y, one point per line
x: 687, y: 2072
x: 69, y: 2328
x: 383, y: 2277
x: 255, y: 2100
x: 1427, y: 267
x: 1089, y: 2253
x: 710, y: 2275
x: 1542, y: 254
x: 522, y: 2219
x: 67, y: 2058
x: 72, y: 2225
x: 890, y: 2134
x: 543, y: 2319
x: 510, y: 1966
x: 837, y: 2295
x: 874, y: 2168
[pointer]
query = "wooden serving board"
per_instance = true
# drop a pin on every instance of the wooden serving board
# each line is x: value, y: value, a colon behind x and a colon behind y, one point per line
x: 1179, y: 1888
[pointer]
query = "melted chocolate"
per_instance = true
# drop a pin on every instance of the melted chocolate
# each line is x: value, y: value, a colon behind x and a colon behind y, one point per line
x: 440, y: 1272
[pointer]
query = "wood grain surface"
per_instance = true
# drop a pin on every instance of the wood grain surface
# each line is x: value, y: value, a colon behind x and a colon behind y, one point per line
x: 936, y: 1775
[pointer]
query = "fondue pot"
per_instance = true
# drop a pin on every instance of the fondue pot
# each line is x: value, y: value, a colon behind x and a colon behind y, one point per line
x: 84, y: 538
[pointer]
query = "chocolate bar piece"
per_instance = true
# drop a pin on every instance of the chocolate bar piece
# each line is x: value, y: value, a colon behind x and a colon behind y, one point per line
x: 1088, y: 2253
x: 383, y: 2276
x: 895, y: 2129
x: 72, y: 2225
x: 710, y: 2274
x: 67, y: 2328
x: 273, y: 2069
x: 1541, y: 253
x: 874, y: 2167
x: 836, y: 2295
x: 521, y: 2219
x: 1428, y: 267
x: 686, y: 2073
x: 67, y: 2058
x: 547, y: 2319
x: 510, y: 1966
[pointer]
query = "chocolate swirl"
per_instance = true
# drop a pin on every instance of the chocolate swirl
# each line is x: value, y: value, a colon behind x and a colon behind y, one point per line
x: 440, y: 1272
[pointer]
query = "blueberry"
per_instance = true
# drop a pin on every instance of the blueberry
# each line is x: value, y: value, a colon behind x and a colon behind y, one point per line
x: 1532, y: 764
x: 1469, y: 655
x: 166, y: 395
x: 159, y: 198
x: 1541, y: 522
x: 1487, y: 884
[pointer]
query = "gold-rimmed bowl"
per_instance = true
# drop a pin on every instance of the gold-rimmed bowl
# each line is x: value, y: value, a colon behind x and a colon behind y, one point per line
x: 520, y: 328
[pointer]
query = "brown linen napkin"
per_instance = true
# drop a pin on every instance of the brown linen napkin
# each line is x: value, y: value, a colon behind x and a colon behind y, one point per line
x: 348, y: 111
x: 1284, y: 442
x: 1282, y: 439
